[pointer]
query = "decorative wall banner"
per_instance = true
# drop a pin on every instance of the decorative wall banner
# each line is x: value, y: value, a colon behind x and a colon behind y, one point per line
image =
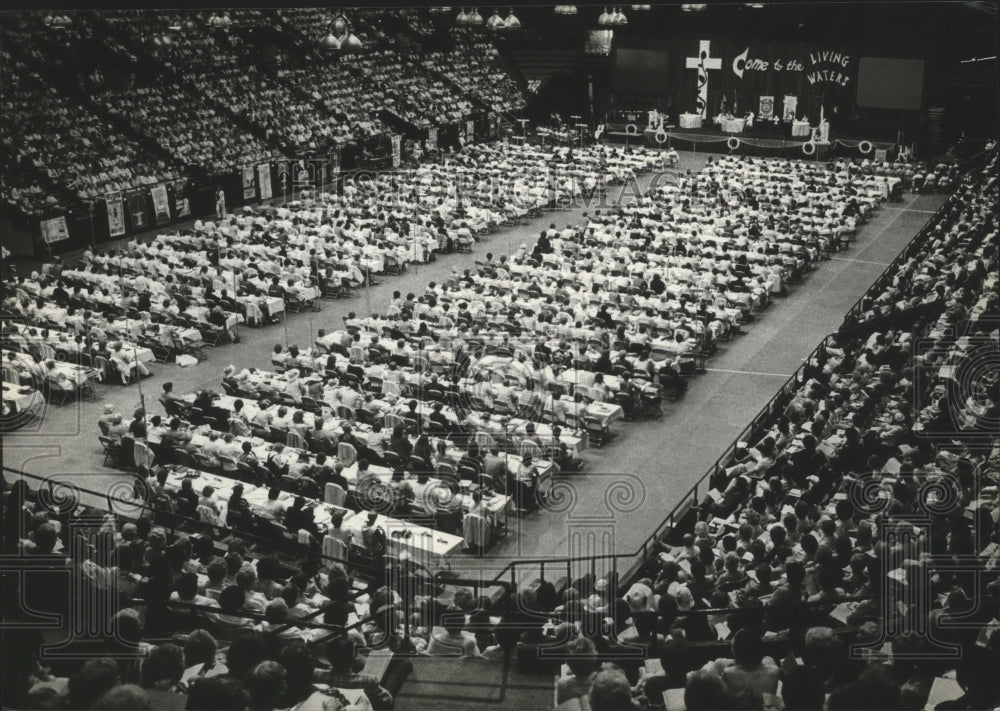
x: 397, y: 149
x: 789, y: 108
x: 703, y: 63
x: 283, y: 176
x: 264, y: 180
x: 432, y: 138
x: 470, y: 131
x: 335, y: 161
x: 182, y: 206
x: 136, y: 207
x: 302, y: 173
x: 249, y: 189
x: 54, y: 229
x: 766, y: 111
x: 819, y: 67
x: 161, y: 204
x: 116, y: 214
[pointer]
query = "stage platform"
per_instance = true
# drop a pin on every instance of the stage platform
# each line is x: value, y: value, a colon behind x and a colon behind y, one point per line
x: 764, y: 141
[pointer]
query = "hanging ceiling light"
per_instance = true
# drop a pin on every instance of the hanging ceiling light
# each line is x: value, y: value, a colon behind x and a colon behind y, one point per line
x: 512, y: 23
x: 341, y: 37
x: 641, y: 8
x: 495, y: 22
x: 351, y: 43
x: 755, y: 5
x: 475, y: 18
x: 463, y: 18
x: 605, y: 19
x: 565, y: 9
x: 619, y: 17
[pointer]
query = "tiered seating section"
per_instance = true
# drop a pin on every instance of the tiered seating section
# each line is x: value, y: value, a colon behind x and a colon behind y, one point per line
x: 476, y: 68
x: 149, y: 95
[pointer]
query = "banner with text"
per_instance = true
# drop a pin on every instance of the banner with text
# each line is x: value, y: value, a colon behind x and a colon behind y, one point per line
x: 397, y: 149
x: 161, y: 205
x: 470, y: 131
x: 116, y: 214
x: 264, y: 180
x: 432, y: 138
x: 54, y: 230
x: 249, y: 189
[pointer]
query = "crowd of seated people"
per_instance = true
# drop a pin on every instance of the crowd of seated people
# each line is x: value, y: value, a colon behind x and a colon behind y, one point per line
x: 502, y: 311
x: 803, y: 532
x: 927, y: 272
x: 80, y: 156
x: 72, y: 145
x: 807, y: 533
x: 177, y: 293
x: 57, y: 148
x: 228, y: 625
x: 193, y: 131
x: 280, y: 110
x: 353, y: 106
x: 417, y: 97
x: 474, y: 66
x: 190, y: 44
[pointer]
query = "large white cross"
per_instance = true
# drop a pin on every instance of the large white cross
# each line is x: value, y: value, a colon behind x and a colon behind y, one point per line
x: 703, y: 62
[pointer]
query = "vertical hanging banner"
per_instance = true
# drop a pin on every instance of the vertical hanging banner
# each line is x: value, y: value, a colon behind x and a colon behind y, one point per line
x: 335, y: 161
x: 136, y: 206
x: 470, y: 131
x: 432, y: 138
x: 264, y: 181
x: 494, y: 126
x: 161, y: 204
x: 249, y: 189
x: 766, y: 111
x: 116, y: 214
x: 397, y: 149
x: 704, y: 63
x: 182, y: 206
x: 790, y: 106
x: 284, y: 176
x: 54, y: 230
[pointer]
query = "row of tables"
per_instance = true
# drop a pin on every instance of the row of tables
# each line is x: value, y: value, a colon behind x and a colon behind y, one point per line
x: 400, y: 535
x: 738, y: 125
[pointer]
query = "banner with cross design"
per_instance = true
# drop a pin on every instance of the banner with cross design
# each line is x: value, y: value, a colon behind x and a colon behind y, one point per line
x: 703, y: 62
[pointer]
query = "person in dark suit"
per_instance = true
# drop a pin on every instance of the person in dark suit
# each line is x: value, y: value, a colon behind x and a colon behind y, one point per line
x: 300, y: 518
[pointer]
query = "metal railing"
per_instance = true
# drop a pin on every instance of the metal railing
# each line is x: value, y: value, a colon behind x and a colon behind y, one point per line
x: 631, y: 562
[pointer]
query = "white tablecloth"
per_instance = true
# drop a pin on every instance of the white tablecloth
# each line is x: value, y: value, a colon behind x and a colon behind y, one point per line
x: 690, y: 121
x: 22, y: 397
x: 420, y: 542
x: 801, y: 128
x: 735, y: 125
